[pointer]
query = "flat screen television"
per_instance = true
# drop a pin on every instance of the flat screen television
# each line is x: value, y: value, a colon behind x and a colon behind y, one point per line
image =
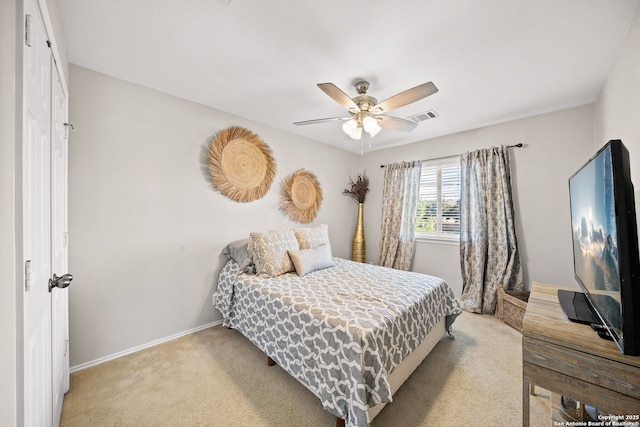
x: 605, y: 248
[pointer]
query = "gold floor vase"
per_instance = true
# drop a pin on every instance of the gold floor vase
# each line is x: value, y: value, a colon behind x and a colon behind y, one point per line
x: 358, y: 247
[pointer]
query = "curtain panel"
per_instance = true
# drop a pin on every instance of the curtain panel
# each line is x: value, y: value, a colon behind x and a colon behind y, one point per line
x: 399, y: 207
x: 488, y: 249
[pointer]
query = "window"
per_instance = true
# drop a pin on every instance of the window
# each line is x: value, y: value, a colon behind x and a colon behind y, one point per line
x: 438, y: 214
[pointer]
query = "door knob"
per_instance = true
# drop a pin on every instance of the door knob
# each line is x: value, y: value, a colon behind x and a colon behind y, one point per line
x: 60, y: 282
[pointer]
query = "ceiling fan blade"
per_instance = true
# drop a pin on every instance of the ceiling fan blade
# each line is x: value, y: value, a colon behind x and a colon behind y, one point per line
x: 396, y: 123
x: 407, y: 97
x: 339, y: 96
x: 330, y: 119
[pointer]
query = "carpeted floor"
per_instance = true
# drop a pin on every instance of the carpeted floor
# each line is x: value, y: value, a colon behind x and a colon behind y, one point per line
x: 216, y: 377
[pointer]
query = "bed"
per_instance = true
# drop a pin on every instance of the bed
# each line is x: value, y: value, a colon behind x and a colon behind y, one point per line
x: 350, y: 332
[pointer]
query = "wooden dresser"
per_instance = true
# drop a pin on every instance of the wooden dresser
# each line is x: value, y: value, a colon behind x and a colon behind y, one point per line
x: 570, y: 359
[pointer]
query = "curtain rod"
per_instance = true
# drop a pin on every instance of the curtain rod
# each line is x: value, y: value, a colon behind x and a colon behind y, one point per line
x: 518, y: 145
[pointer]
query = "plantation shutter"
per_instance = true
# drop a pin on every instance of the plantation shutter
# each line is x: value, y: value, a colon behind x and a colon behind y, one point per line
x: 439, y: 206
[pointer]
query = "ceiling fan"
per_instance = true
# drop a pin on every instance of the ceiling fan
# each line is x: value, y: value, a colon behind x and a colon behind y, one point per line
x: 365, y: 112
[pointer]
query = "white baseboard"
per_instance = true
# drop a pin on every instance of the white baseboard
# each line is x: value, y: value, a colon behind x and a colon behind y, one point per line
x: 141, y: 347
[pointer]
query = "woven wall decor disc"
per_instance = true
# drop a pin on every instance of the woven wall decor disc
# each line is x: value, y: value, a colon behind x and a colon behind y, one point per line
x: 300, y: 196
x: 241, y: 164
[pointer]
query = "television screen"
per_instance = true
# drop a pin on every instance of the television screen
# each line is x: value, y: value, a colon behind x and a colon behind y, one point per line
x: 605, y: 244
x: 594, y: 233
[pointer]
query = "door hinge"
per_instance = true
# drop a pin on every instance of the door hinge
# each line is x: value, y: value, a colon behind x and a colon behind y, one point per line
x: 27, y: 275
x: 68, y: 126
x: 66, y: 239
x: 27, y: 30
x: 66, y: 347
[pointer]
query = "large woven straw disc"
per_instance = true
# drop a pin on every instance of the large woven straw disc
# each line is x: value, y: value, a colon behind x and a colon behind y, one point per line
x: 300, y: 196
x: 241, y: 164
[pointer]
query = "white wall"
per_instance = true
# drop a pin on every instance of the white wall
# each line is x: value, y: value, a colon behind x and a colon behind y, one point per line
x: 146, y: 226
x: 555, y: 146
x: 618, y: 107
x: 8, y: 283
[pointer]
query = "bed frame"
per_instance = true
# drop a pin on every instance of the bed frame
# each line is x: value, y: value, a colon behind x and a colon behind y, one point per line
x: 403, y: 371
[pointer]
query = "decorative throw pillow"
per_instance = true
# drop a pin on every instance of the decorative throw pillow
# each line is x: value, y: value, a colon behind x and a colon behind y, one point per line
x: 312, y: 237
x: 307, y: 260
x: 239, y: 252
x: 269, y: 251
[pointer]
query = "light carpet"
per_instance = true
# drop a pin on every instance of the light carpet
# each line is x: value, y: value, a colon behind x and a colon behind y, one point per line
x: 216, y: 377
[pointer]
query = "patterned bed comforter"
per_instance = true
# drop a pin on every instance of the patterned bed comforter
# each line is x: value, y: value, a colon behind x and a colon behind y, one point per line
x: 339, y: 331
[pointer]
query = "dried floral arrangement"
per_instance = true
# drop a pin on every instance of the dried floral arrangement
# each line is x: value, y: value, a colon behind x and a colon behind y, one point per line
x: 359, y: 188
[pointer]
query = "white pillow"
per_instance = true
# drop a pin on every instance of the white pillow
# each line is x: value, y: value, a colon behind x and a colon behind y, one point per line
x: 312, y: 237
x: 307, y: 260
x: 269, y: 251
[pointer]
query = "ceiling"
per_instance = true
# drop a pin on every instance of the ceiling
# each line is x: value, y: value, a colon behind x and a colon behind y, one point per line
x: 492, y: 60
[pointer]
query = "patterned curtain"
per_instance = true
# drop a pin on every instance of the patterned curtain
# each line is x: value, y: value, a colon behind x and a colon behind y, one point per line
x: 488, y: 250
x: 399, y: 208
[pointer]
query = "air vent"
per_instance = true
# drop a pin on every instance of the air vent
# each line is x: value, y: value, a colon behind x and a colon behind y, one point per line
x: 431, y: 114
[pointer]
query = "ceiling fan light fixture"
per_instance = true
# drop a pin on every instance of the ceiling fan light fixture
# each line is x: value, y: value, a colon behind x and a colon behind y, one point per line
x: 357, y: 133
x: 373, y: 132
x: 350, y: 126
x: 369, y: 123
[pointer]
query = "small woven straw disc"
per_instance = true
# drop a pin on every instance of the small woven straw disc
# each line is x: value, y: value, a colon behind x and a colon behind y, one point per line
x: 241, y: 164
x: 303, y: 192
x: 300, y: 196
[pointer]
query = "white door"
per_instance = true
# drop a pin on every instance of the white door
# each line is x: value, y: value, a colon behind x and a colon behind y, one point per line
x: 36, y: 193
x: 44, y: 192
x: 59, y: 264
